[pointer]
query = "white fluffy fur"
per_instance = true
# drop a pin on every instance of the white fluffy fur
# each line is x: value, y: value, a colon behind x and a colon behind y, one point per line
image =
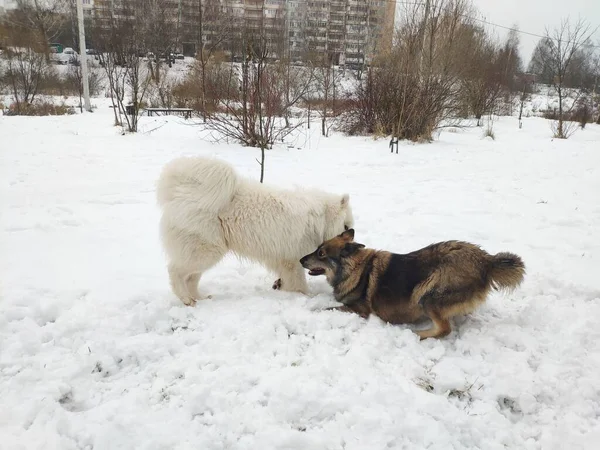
x: 208, y: 211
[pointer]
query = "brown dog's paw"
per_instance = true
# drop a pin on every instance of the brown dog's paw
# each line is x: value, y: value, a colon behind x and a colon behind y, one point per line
x: 277, y: 284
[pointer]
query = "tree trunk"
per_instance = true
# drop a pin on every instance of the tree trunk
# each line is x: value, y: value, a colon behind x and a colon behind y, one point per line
x: 560, y: 113
x: 521, y: 113
x: 262, y: 163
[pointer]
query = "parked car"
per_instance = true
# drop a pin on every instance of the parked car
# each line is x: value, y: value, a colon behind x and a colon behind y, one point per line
x: 68, y: 56
x: 168, y: 57
x: 179, y: 56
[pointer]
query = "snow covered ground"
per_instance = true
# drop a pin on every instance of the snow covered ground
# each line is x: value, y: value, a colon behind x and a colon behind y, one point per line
x: 97, y: 353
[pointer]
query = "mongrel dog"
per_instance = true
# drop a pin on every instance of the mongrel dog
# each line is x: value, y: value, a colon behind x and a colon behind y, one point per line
x: 437, y: 282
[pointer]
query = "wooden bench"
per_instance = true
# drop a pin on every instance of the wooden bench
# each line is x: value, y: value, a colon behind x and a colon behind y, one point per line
x: 185, y: 112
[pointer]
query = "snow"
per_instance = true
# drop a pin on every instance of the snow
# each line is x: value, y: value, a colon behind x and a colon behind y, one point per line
x: 97, y: 353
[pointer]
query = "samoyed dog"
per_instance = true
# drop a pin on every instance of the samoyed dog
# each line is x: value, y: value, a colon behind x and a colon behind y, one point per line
x: 208, y: 211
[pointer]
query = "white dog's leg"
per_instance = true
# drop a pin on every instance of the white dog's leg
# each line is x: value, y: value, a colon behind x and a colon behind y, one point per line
x: 192, y: 285
x: 184, y: 280
x: 292, y: 278
x: 179, y: 283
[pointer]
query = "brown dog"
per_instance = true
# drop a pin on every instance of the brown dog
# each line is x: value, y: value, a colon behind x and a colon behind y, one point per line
x: 439, y: 281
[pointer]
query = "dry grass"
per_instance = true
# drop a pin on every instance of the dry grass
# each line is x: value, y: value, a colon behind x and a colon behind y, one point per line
x: 41, y: 108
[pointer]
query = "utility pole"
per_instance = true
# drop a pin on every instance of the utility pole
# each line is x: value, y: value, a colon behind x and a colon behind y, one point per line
x: 83, y: 58
x: 423, y: 32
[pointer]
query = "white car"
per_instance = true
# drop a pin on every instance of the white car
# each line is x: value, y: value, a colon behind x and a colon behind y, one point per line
x: 68, y: 56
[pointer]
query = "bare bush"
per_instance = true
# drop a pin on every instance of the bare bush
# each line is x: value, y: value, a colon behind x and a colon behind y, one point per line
x: 582, y: 112
x: 254, y: 117
x: 296, y: 84
x: 562, y: 127
x: 489, y: 129
x: 74, y: 83
x: 327, y: 80
x: 25, y: 72
x: 411, y: 90
x: 160, y: 89
x: 481, y: 84
x: 206, y: 86
x: 39, y: 108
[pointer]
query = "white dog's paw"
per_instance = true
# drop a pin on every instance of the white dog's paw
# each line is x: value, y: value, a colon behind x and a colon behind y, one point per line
x: 188, y: 301
x: 277, y: 284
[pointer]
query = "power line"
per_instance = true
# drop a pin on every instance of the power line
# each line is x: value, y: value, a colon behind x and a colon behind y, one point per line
x: 517, y: 30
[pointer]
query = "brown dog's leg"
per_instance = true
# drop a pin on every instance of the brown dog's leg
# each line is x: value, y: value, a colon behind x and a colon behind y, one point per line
x: 441, y: 327
x: 359, y: 308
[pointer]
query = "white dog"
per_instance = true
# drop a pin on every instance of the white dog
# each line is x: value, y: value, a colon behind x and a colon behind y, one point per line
x: 208, y: 210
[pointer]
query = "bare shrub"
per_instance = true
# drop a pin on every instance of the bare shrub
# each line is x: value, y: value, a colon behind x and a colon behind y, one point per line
x: 39, y: 108
x: 296, y: 84
x: 253, y: 117
x: 481, y: 84
x: 74, y: 83
x: 327, y: 80
x: 489, y: 129
x: 413, y: 89
x: 206, y: 86
x: 582, y: 112
x: 160, y: 89
x: 25, y: 72
x: 562, y: 127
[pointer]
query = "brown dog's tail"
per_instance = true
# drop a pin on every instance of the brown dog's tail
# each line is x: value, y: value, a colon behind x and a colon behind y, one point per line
x: 507, y: 271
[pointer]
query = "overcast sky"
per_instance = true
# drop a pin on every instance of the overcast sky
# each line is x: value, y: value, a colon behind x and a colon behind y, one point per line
x: 534, y: 15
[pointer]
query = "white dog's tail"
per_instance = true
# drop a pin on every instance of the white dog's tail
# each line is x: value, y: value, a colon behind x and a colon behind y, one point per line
x: 207, y: 184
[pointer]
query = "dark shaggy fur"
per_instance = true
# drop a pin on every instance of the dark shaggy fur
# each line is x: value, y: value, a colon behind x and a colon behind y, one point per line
x: 439, y: 281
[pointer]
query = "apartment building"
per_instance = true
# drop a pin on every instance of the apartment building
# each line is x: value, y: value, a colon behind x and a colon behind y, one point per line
x: 344, y: 31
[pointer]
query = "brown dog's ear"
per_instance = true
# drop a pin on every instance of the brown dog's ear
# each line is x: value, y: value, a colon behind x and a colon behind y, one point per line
x: 348, y: 235
x: 345, y: 200
x: 350, y: 249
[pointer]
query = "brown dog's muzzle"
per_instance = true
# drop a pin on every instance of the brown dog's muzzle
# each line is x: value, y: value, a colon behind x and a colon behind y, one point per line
x: 312, y: 271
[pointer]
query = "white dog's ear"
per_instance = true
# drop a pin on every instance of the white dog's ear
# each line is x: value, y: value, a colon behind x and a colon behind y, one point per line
x: 345, y: 199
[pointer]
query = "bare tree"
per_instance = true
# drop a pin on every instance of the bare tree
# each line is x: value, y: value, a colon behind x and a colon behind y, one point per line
x: 482, y: 79
x: 327, y: 81
x: 254, y: 116
x: 595, y: 94
x: 123, y: 38
x: 44, y: 18
x: 562, y: 45
x: 25, y: 65
x: 157, y: 38
x: 214, y: 27
x: 525, y: 87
